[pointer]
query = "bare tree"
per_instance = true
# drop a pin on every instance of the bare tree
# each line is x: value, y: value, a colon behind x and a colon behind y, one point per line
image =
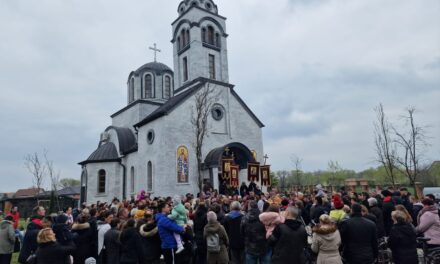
x: 334, y: 169
x: 54, y: 180
x: 282, y: 175
x: 53, y: 176
x: 385, y: 145
x: 37, y: 168
x: 297, y: 173
x: 203, y: 103
x: 412, y: 143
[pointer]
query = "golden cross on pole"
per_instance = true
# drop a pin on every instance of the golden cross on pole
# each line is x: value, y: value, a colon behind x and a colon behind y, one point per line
x: 155, y: 49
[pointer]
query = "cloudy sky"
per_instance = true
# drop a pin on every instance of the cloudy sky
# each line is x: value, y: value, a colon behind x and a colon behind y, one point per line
x: 311, y: 70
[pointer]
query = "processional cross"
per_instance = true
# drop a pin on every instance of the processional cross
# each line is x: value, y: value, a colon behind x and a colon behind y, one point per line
x: 265, y: 158
x: 155, y: 49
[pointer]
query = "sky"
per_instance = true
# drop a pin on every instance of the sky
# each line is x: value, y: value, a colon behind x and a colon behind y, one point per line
x: 312, y: 70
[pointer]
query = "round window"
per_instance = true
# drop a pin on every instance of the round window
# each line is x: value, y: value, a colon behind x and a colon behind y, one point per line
x: 208, y: 6
x: 150, y: 136
x: 217, y: 112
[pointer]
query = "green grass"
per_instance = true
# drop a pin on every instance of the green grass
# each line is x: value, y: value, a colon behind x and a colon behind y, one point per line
x: 14, y: 258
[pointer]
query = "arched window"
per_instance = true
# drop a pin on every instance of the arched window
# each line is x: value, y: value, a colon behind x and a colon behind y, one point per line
x: 203, y: 34
x: 217, y: 40
x: 149, y: 176
x: 179, y: 44
x: 132, y: 180
x: 148, y: 84
x: 131, y: 91
x: 183, y: 37
x: 187, y: 37
x: 210, y: 39
x: 101, y: 181
x: 167, y: 87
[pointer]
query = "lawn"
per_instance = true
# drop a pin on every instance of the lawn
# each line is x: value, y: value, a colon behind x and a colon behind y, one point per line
x: 14, y: 258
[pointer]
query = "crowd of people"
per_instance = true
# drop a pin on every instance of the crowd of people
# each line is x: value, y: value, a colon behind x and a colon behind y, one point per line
x: 249, y: 227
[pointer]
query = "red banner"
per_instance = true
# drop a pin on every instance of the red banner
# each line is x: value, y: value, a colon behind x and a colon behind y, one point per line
x: 235, y: 179
x: 265, y: 175
x: 253, y: 171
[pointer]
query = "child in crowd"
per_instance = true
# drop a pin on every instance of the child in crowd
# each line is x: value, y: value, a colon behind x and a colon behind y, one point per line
x: 271, y: 218
x: 180, y: 215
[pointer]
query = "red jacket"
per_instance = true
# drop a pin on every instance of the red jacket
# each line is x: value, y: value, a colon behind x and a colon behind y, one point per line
x: 16, y: 218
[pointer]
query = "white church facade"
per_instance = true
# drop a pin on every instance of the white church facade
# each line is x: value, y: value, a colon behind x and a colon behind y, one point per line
x: 150, y: 144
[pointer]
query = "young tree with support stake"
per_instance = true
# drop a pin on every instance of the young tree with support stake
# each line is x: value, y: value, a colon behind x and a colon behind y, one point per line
x: 386, y: 153
x: 204, y: 100
x: 412, y: 142
x: 37, y: 168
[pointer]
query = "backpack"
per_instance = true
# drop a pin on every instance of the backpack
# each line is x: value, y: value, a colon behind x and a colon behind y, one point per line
x: 213, y: 243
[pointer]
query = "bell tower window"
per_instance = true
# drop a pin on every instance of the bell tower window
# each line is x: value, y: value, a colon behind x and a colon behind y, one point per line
x: 148, y: 81
x: 212, y: 66
x: 185, y: 69
x: 210, y: 39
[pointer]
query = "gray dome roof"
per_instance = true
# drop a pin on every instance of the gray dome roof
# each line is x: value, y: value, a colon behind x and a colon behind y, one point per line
x: 157, y: 67
x: 126, y: 138
x: 104, y: 153
x: 154, y: 66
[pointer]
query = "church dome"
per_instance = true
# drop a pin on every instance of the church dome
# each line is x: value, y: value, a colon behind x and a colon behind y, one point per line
x: 156, y: 67
x: 153, y: 80
x: 208, y: 5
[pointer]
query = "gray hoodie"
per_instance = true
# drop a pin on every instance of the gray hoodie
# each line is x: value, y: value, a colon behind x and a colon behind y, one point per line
x: 7, y: 237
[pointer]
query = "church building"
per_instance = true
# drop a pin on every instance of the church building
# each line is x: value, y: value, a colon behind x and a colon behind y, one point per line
x: 151, y: 142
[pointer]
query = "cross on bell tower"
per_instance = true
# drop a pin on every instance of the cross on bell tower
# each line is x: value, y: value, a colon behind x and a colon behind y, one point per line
x: 155, y: 49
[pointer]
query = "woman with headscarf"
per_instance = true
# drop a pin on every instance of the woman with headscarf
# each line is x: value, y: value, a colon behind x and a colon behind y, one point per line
x: 216, y: 240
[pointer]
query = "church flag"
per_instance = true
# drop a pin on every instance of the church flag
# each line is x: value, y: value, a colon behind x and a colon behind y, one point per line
x: 226, y: 165
x: 265, y: 175
x: 235, y: 181
x: 253, y: 171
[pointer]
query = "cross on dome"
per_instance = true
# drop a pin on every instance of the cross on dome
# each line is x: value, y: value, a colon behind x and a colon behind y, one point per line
x: 155, y: 49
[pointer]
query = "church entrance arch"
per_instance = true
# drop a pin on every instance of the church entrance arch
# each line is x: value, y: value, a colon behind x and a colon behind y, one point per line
x: 240, y: 154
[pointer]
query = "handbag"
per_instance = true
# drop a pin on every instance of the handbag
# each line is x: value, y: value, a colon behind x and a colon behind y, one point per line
x: 32, y: 259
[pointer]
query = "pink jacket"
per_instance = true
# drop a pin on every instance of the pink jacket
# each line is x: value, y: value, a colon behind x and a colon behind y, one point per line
x: 429, y: 224
x: 270, y: 221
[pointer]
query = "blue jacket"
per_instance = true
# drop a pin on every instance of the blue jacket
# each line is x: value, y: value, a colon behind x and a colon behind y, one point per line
x: 166, y: 228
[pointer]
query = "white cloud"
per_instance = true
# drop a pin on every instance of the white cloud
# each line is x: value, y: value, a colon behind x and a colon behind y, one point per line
x: 311, y: 70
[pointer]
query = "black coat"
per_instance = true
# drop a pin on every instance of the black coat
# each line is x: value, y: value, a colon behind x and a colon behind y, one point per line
x: 387, y: 209
x: 54, y: 253
x: 319, y: 210
x: 131, y: 247
x: 254, y: 233
x: 83, y: 236
x: 112, y: 246
x: 62, y: 234
x: 232, y: 227
x: 288, y: 241
x: 243, y: 190
x: 377, y: 212
x: 200, y: 222
x: 30, y: 244
x: 359, y: 240
x: 402, y: 242
x: 150, y: 240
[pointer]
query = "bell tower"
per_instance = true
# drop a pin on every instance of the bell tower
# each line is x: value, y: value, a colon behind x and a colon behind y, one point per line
x: 199, y: 43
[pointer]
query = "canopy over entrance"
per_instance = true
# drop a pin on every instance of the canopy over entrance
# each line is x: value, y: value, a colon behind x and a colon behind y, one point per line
x: 242, y: 155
